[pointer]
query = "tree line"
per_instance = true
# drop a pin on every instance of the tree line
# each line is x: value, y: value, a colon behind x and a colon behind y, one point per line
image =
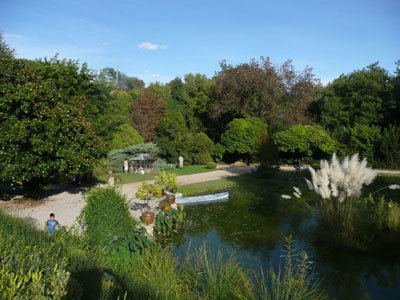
x: 58, y: 117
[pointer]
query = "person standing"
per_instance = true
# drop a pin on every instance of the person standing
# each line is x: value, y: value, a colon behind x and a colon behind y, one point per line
x: 52, y: 223
x: 126, y: 165
x: 180, y: 161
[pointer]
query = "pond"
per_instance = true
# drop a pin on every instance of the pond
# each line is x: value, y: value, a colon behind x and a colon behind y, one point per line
x: 253, y: 228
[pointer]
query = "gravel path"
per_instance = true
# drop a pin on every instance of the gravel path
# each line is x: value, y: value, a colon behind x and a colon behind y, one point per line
x: 67, y: 205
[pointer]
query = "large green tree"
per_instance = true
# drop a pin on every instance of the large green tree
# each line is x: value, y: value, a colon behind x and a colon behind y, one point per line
x: 44, y: 133
x: 73, y: 79
x: 240, y: 138
x: 362, y: 97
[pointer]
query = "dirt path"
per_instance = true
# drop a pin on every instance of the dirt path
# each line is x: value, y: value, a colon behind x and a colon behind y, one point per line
x: 67, y: 205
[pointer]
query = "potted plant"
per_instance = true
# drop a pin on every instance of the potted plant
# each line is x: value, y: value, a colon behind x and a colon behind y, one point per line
x: 148, y: 216
x: 165, y: 205
x: 168, y: 181
x: 146, y: 192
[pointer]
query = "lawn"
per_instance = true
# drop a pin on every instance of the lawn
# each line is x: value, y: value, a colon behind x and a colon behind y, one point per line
x: 135, y: 177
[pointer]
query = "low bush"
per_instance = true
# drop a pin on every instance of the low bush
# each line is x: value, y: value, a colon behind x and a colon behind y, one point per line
x: 169, y: 221
x: 211, y: 165
x: 163, y: 165
x: 105, y: 215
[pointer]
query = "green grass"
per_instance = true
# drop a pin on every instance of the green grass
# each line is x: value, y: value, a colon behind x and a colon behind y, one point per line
x: 135, y: 177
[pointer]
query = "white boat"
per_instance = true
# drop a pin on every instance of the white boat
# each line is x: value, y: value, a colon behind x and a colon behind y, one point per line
x: 221, y: 197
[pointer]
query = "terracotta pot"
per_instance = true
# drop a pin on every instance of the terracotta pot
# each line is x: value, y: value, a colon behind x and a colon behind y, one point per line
x: 170, y: 199
x: 147, y: 217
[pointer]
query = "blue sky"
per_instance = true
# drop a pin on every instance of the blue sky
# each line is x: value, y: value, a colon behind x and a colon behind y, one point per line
x: 159, y: 40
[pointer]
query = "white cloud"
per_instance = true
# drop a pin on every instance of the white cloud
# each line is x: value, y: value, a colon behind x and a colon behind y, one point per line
x: 151, y: 47
x: 155, y: 75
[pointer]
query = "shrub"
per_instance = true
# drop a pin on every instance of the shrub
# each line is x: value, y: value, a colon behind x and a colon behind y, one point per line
x: 211, y: 165
x: 105, y: 215
x: 241, y: 136
x: 196, y: 148
x: 305, y: 141
x: 163, y: 165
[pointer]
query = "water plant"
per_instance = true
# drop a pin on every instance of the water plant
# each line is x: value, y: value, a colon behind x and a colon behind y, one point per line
x: 341, y: 179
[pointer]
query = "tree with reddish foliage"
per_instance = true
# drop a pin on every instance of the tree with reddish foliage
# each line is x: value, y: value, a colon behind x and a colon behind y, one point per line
x: 147, y: 111
x: 277, y: 94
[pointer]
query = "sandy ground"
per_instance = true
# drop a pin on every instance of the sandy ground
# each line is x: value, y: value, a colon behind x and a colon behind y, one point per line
x: 67, y: 205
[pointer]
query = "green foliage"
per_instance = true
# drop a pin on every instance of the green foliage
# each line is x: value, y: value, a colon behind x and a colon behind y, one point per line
x: 362, y: 97
x: 359, y: 222
x: 147, y: 191
x: 393, y: 216
x: 277, y: 94
x: 44, y: 134
x: 389, y: 148
x: 75, y: 80
x: 31, y: 268
x: 241, y: 137
x: 170, y: 130
x: 305, y: 141
x: 125, y: 82
x: 125, y: 136
x: 172, y: 125
x: 211, y: 165
x: 4, y: 48
x: 117, y: 157
x: 168, y: 221
x: 105, y: 215
x: 167, y: 180
x: 133, y: 243
x: 267, y: 155
x: 219, y: 152
x: 103, y: 167
x: 196, y: 148
x: 163, y: 165
x: 364, y: 140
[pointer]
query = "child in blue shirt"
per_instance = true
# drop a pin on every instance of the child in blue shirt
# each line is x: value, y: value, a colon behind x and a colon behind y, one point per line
x: 52, y: 223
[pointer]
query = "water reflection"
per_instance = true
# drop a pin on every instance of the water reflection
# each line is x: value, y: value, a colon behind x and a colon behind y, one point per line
x: 253, y: 228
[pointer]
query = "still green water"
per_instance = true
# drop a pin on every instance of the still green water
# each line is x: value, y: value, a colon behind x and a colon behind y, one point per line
x: 252, y: 228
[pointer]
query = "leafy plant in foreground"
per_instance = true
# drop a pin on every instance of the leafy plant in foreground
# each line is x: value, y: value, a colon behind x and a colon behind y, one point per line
x: 169, y: 221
